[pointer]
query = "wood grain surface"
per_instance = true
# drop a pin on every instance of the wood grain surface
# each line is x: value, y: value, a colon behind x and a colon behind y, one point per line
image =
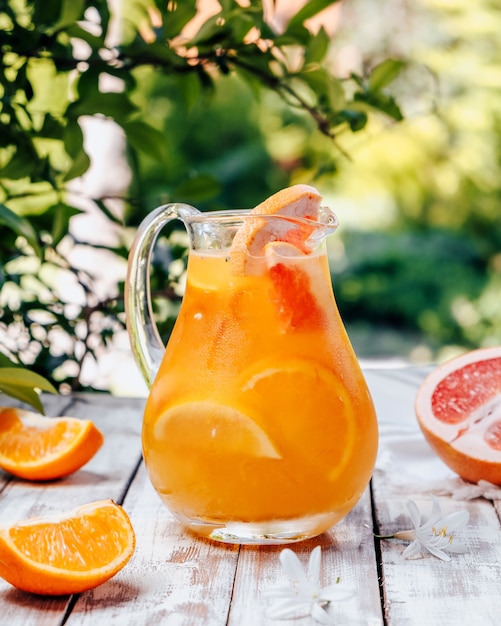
x: 177, y: 579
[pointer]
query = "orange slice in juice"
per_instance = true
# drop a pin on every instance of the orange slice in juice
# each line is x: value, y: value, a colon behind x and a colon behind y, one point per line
x: 209, y: 426
x: 307, y: 408
x: 298, y: 201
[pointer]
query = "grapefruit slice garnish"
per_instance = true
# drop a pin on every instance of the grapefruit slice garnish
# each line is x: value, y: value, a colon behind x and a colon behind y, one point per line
x: 308, y: 407
x: 67, y: 552
x: 209, y: 427
x: 35, y: 447
x: 298, y: 201
x: 458, y: 407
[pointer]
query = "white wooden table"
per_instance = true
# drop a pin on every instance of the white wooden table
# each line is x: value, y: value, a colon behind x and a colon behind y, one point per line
x: 176, y: 579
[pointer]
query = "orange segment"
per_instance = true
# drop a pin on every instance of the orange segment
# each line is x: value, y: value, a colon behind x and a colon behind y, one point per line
x: 207, y: 426
x: 298, y: 201
x: 69, y: 552
x: 35, y: 447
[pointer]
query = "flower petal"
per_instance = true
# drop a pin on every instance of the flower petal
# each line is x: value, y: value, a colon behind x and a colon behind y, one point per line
x: 321, y: 616
x: 439, y: 553
x: 455, y: 520
x: 314, y: 565
x: 292, y: 566
x: 336, y: 593
x: 412, y: 549
x: 414, y: 513
x: 457, y: 547
x: 286, y: 609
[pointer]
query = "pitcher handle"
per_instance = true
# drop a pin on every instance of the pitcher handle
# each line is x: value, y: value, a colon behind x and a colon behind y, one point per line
x: 147, y: 346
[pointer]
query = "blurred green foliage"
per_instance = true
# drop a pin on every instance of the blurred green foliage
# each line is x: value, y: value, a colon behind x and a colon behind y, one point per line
x: 427, y: 192
x: 221, y: 117
x: 192, y: 108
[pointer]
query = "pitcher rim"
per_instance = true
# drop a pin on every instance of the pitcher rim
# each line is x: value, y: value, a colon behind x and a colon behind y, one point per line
x: 229, y: 215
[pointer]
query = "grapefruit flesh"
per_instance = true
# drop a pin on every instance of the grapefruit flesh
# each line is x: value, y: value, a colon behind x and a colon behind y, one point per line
x: 458, y: 408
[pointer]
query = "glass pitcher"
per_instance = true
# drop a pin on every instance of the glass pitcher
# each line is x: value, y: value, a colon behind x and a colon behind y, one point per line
x: 259, y: 426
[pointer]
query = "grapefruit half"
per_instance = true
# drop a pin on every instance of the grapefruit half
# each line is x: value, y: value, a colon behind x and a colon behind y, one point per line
x: 458, y: 407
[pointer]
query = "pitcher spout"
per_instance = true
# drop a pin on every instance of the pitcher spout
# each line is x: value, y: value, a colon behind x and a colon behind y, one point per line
x: 327, y: 216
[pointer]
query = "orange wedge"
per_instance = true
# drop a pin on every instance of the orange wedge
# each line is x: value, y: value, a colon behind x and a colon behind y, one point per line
x: 69, y: 552
x: 35, y: 447
x: 298, y: 201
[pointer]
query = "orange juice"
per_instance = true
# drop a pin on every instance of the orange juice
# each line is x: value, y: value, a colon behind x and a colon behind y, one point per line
x: 259, y: 424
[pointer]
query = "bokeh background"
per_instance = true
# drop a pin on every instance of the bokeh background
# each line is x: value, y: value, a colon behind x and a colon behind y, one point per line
x: 416, y: 262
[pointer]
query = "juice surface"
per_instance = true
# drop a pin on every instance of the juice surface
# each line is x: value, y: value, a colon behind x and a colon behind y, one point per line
x: 259, y: 411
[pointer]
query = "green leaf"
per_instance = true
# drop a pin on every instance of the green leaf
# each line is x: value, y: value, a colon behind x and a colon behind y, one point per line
x: 354, y: 118
x: 71, y: 11
x: 147, y: 139
x: 20, y: 226
x: 24, y: 378
x: 77, y: 32
x: 198, y: 188
x: 6, y: 362
x: 381, y: 102
x: 309, y: 10
x: 211, y: 31
x: 325, y: 86
x: 62, y: 215
x: 80, y: 165
x: 51, y: 127
x: 111, y: 104
x: 176, y: 18
x: 317, y: 47
x: 73, y: 138
x: 47, y: 12
x: 109, y: 214
x: 29, y: 396
x: 24, y: 160
x: 384, y: 73
x: 21, y: 384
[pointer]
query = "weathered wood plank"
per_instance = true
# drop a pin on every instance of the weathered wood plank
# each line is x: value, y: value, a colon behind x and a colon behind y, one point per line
x: 347, y: 552
x: 177, y: 579
x: 174, y: 578
x: 426, y: 590
x: 107, y: 475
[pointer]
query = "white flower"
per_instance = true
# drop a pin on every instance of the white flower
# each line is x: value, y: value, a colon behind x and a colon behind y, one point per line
x: 437, y: 534
x: 305, y: 596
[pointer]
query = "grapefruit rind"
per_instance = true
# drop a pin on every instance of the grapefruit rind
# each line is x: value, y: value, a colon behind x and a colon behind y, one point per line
x: 461, y: 443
